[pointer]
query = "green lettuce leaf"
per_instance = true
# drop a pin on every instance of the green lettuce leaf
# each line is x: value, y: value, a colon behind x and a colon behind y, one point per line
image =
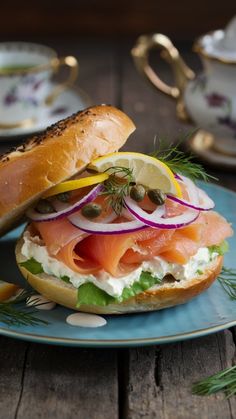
x: 65, y: 278
x: 146, y: 281
x: 221, y: 249
x: 32, y: 266
x: 36, y: 268
x: 91, y: 295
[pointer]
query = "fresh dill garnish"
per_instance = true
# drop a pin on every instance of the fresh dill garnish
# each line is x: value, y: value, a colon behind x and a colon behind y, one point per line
x: 227, y: 280
x: 222, y: 381
x: 180, y: 162
x: 13, y: 314
x: 117, y: 187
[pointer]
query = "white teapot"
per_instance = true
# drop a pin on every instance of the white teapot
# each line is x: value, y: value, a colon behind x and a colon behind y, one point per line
x: 208, y: 99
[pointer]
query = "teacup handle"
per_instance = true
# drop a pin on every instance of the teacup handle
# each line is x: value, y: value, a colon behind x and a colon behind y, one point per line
x: 56, y: 63
x: 182, y: 73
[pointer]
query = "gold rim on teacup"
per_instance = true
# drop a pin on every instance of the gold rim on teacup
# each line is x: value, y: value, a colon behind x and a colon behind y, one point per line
x: 27, y: 47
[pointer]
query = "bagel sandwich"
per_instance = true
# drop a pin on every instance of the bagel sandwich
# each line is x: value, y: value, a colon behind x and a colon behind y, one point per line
x: 110, y: 232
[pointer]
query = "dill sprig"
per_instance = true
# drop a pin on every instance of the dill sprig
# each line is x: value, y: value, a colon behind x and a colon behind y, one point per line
x: 117, y: 186
x: 180, y: 162
x: 227, y: 280
x: 13, y: 314
x: 222, y: 381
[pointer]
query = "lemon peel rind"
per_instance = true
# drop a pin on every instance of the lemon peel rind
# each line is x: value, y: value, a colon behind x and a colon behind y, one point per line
x: 71, y: 185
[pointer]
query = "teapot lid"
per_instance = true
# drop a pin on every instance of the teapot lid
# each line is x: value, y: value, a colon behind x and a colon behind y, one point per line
x: 220, y: 44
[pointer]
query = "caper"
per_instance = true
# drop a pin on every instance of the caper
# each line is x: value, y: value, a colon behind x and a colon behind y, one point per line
x: 63, y: 196
x: 137, y: 193
x: 44, y: 207
x: 156, y: 196
x: 91, y: 210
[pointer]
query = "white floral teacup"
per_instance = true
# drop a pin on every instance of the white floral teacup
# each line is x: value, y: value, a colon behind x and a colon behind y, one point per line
x: 26, y: 70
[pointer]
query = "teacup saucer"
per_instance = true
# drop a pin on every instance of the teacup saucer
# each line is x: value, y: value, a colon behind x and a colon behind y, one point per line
x: 70, y: 101
x: 202, y: 144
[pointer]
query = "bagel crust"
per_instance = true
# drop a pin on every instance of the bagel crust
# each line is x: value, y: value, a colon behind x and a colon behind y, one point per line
x: 57, y: 154
x: 166, y: 295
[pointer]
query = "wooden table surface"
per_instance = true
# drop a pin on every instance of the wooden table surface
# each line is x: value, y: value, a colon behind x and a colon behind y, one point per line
x: 43, y: 381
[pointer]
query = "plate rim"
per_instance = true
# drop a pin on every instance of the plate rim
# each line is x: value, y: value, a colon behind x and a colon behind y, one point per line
x: 115, y: 343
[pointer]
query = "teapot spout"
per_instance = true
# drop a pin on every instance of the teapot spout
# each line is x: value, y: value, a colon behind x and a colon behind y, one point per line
x: 181, y: 72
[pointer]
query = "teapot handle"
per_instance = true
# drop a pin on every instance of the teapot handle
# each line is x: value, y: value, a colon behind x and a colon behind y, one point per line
x: 182, y: 73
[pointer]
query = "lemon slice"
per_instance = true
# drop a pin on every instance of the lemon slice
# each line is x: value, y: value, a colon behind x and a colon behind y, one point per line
x: 71, y: 185
x: 146, y: 170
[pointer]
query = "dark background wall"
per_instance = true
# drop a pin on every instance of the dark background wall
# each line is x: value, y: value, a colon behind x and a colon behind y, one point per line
x: 180, y: 19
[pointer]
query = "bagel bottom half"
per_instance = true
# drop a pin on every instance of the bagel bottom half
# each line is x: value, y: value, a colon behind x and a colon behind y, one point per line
x: 169, y: 294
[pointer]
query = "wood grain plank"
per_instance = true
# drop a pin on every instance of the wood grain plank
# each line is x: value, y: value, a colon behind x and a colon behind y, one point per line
x: 97, y: 65
x: 12, y: 360
x: 179, y: 366
x: 142, y: 398
x: 98, y: 73
x: 69, y: 383
x: 160, y: 381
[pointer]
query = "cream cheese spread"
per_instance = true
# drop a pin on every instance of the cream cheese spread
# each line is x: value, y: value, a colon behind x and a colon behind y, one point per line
x: 158, y: 267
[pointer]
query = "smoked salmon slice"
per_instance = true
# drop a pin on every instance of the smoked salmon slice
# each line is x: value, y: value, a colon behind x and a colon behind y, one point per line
x: 57, y: 234
x: 61, y: 238
x: 216, y: 228
x: 119, y: 254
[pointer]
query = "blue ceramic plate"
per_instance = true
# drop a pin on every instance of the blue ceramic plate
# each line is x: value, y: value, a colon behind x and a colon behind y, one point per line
x: 208, y: 313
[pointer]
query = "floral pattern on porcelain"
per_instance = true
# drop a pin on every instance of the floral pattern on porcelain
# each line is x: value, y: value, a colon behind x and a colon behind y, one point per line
x: 59, y: 110
x: 212, y: 104
x: 24, y: 91
x: 216, y: 100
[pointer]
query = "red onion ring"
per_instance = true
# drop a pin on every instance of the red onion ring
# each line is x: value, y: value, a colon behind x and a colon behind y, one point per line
x: 191, y: 189
x: 156, y: 221
x: 177, y: 176
x: 102, y: 228
x: 206, y: 206
x: 194, y: 193
x: 67, y: 210
x: 206, y: 200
